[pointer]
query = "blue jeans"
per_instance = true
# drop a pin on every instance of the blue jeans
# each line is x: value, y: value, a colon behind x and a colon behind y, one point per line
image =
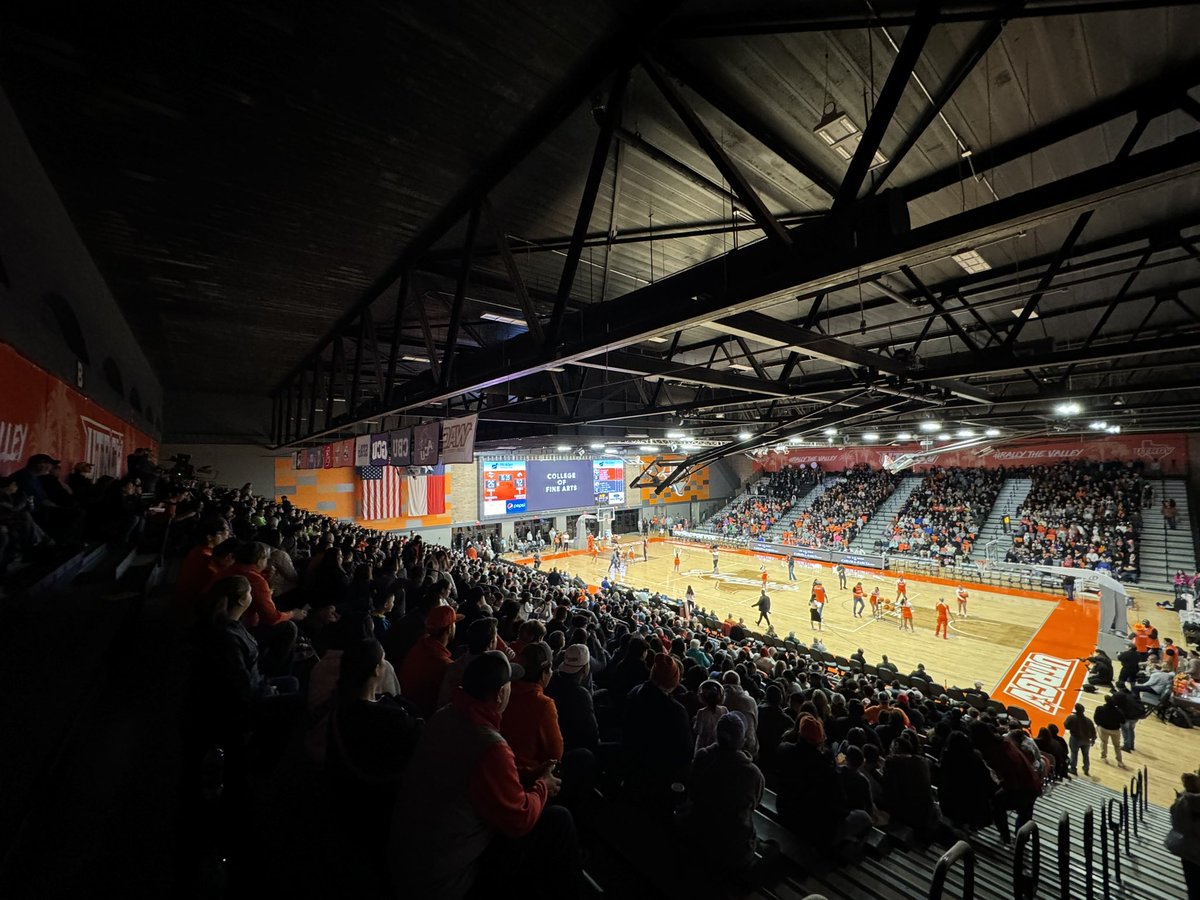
x: 1076, y: 748
x: 1127, y: 730
x: 859, y: 605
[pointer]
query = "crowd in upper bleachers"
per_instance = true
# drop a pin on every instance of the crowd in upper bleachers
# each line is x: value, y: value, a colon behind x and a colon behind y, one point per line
x: 1082, y: 514
x: 942, y: 517
x: 766, y: 500
x: 837, y: 515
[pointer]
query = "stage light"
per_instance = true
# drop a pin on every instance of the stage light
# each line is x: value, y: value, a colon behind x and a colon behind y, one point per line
x: 1068, y: 408
x: 930, y: 426
x: 829, y: 432
x: 993, y: 432
x: 964, y: 433
x: 870, y: 436
x: 744, y: 435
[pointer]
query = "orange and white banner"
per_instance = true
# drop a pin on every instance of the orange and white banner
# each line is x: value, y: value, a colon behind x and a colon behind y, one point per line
x: 41, y: 414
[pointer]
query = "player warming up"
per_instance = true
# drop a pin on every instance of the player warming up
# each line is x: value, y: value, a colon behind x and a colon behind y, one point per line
x: 906, y: 616
x: 943, y: 619
x: 876, y: 604
x: 901, y: 589
x: 676, y: 560
x: 859, y: 604
x: 961, y: 595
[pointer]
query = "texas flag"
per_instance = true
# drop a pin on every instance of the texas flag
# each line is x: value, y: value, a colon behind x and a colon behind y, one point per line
x: 425, y: 491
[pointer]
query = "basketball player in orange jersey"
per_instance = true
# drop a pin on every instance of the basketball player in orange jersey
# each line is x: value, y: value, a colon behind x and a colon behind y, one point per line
x: 906, y: 617
x: 961, y: 594
x: 876, y: 610
x: 901, y: 589
x: 676, y: 560
x: 763, y: 573
x: 820, y: 596
x: 592, y: 545
x: 858, y: 600
x: 943, y: 619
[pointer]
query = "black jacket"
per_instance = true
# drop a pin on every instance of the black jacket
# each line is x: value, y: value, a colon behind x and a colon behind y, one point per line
x: 656, y: 740
x: 1109, y: 716
x: 576, y: 714
x: 1128, y: 658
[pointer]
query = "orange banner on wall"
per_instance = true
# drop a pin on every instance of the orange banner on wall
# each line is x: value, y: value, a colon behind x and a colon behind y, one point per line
x: 41, y: 414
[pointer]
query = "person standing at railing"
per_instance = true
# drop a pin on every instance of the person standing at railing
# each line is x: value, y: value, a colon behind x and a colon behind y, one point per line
x: 1081, y: 735
x: 1184, y: 837
x: 1109, y: 720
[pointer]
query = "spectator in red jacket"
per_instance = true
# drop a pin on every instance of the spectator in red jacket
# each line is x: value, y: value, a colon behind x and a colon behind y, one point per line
x: 530, y: 723
x: 275, y: 631
x: 465, y: 823
x: 197, y: 570
x: 426, y: 663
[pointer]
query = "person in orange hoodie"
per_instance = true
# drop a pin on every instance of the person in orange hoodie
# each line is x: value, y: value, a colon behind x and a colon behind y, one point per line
x: 275, y: 631
x: 943, y: 619
x: 196, y: 570
x: 425, y: 665
x: 530, y: 723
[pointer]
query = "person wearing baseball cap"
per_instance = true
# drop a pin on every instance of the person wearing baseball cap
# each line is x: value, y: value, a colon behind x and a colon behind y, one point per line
x: 576, y: 712
x: 656, y: 737
x: 462, y: 790
x: 426, y: 663
x: 530, y: 723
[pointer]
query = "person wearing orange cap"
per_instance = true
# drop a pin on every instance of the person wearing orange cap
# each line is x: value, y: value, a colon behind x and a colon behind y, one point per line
x: 961, y: 595
x: 943, y: 619
x: 426, y: 663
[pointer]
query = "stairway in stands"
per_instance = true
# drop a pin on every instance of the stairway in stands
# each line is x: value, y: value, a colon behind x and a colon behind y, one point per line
x: 1165, y: 551
x: 803, y: 502
x: 1012, y: 495
x: 881, y: 521
x: 1147, y: 871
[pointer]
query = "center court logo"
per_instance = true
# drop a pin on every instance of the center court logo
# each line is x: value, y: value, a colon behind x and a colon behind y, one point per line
x: 1042, y: 681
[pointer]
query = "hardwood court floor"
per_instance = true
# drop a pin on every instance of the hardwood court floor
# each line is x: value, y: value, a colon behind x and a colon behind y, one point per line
x: 983, y: 646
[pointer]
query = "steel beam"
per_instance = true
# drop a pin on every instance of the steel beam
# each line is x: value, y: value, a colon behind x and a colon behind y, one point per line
x: 460, y: 296
x: 889, y: 98
x: 715, y: 152
x: 759, y: 273
x: 638, y: 364
x: 587, y: 203
x: 757, y: 127
x: 966, y: 63
x: 394, y: 346
x: 937, y: 305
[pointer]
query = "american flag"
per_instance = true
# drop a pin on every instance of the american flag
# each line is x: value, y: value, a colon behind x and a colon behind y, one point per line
x: 380, y: 492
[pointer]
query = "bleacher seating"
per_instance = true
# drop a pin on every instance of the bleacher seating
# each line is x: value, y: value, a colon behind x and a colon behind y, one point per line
x: 942, y: 517
x: 834, y: 518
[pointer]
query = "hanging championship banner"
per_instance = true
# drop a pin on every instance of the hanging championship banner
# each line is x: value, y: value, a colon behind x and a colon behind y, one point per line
x: 458, y: 439
x: 343, y: 454
x: 379, y: 450
x: 400, y: 447
x: 425, y: 444
x: 327, y: 456
x: 362, y: 451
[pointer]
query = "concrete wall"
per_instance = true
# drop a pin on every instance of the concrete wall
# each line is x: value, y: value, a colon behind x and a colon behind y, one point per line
x: 232, y: 464
x: 194, y: 417
x: 42, y: 256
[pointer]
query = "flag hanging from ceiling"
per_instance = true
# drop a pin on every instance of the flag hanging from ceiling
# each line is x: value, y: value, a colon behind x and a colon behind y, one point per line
x: 425, y: 491
x: 379, y: 492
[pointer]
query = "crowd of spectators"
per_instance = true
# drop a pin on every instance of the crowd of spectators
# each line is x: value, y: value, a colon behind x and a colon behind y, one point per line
x: 1082, y: 514
x: 468, y: 709
x: 836, y: 516
x: 942, y: 517
x: 766, y: 500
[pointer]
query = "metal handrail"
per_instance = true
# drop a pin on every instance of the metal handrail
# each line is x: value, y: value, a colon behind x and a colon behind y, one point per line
x: 1064, y: 856
x: 1104, y: 850
x: 1089, y: 853
x: 1125, y: 817
x: 1115, y: 825
x: 1025, y: 886
x: 964, y: 851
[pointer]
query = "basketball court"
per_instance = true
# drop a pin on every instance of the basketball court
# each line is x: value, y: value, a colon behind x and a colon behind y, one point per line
x: 1024, y: 646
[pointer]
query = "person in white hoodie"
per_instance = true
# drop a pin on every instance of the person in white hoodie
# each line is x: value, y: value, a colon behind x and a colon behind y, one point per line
x: 1184, y: 838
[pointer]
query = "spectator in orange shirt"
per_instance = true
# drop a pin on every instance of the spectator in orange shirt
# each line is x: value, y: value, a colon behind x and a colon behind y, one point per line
x: 426, y: 663
x: 196, y: 571
x: 530, y: 723
x: 275, y: 631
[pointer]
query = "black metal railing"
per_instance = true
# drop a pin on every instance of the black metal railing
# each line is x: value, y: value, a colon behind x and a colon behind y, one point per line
x: 962, y: 850
x: 1064, y: 856
x: 1113, y: 823
x: 1025, y: 881
x: 1089, y: 853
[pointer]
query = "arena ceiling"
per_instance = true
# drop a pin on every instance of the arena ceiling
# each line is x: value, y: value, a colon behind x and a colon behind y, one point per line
x: 614, y: 222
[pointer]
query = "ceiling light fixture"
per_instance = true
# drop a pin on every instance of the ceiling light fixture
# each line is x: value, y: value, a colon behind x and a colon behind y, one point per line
x: 418, y: 359
x: 676, y: 434
x: 657, y: 340
x: 964, y: 433
x: 930, y: 425
x: 1113, y: 429
x: 971, y: 261
x: 503, y: 319
x: 744, y: 435
x: 842, y: 135
x: 944, y: 436
x: 904, y: 436
x: 829, y: 432
x: 563, y: 448
x: 1068, y: 408
x: 648, y: 448
x: 1020, y: 309
x: 741, y: 367
x: 555, y: 369
x: 992, y: 432
x: 870, y: 436
x: 1098, y: 426
x: 596, y: 446
x: 793, y: 440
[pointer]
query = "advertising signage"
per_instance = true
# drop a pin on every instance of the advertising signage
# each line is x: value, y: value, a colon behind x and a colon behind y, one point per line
x: 560, y: 484
x: 608, y: 482
x: 505, y: 488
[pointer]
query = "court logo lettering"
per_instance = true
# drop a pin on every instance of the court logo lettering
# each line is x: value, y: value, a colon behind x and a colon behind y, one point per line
x: 1041, y: 681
